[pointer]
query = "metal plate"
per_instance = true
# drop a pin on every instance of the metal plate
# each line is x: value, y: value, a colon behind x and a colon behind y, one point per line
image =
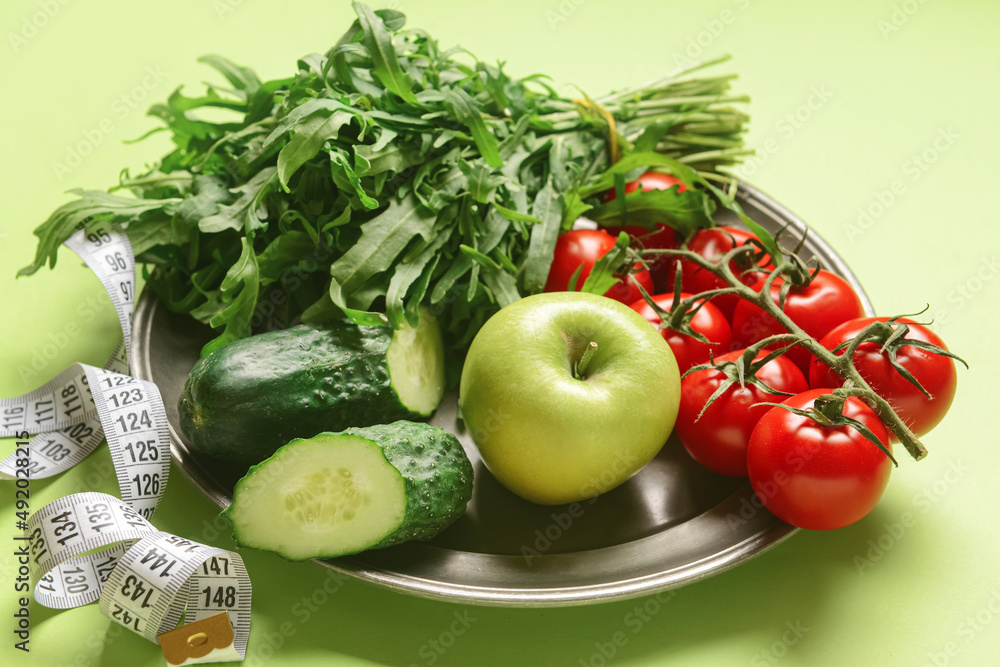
x: 671, y: 524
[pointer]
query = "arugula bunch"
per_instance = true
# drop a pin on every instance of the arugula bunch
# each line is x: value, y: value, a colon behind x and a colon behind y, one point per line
x: 387, y: 175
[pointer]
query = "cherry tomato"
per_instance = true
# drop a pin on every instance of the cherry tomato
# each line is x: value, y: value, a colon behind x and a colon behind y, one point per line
x: 689, y: 351
x: 662, y: 269
x: 711, y: 244
x: 817, y: 307
x: 814, y: 476
x: 720, y: 438
x: 651, y: 180
x: 627, y: 291
x: 936, y: 373
x: 583, y: 247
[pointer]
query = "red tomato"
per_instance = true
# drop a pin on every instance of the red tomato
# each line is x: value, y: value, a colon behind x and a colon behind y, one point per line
x: 651, y: 180
x: 817, y: 307
x: 711, y: 244
x: 936, y: 373
x: 689, y: 351
x: 662, y: 269
x: 719, y: 439
x: 627, y: 291
x: 583, y: 247
x: 814, y: 476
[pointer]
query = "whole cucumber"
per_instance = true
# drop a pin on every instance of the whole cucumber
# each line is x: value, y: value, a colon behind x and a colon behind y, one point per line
x: 244, y: 401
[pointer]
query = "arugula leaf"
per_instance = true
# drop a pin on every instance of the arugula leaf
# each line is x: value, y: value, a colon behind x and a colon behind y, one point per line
x: 236, y: 216
x: 384, y: 156
x: 394, y: 20
x: 467, y: 112
x: 340, y: 169
x: 388, y: 175
x: 502, y: 284
x: 284, y: 252
x: 574, y: 208
x: 684, y: 211
x: 241, y: 286
x: 157, y: 230
x: 338, y: 300
x: 92, y: 205
x: 383, y: 238
x: 307, y: 139
x: 638, y: 162
x: 444, y: 288
x: 207, y: 194
x: 309, y: 117
x: 242, y: 78
x: 480, y: 258
x: 548, y: 209
x: 414, y: 303
x: 409, y: 272
x: 494, y: 230
x: 350, y: 77
x: 378, y: 41
x: 514, y: 216
x: 481, y: 180
x: 604, y: 275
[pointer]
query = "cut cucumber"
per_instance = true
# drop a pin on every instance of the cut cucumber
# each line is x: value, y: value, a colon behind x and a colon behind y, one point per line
x: 416, y: 365
x: 340, y: 493
x: 243, y: 401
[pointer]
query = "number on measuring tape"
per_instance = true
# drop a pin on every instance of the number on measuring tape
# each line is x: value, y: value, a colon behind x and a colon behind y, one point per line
x: 93, y: 546
x: 63, y: 412
x: 148, y: 578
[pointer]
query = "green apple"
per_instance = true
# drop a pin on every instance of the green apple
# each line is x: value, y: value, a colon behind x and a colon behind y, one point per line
x: 554, y: 422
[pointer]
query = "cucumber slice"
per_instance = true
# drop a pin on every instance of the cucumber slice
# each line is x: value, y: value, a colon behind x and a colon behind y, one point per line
x: 340, y: 493
x: 416, y: 365
x: 329, y: 494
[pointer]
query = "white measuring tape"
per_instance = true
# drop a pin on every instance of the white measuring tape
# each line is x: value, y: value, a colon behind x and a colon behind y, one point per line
x: 63, y: 412
x: 145, y: 579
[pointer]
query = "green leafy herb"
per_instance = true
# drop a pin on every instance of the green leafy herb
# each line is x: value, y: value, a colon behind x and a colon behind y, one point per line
x: 388, y: 175
x: 608, y: 268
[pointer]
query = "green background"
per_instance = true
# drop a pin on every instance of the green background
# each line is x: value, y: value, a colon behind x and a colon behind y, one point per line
x: 875, y: 122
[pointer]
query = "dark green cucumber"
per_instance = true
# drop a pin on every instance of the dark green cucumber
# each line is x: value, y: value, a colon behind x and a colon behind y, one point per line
x: 340, y: 493
x: 243, y: 401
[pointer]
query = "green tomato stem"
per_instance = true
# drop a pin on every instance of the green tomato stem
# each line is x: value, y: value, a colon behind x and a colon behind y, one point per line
x: 842, y: 364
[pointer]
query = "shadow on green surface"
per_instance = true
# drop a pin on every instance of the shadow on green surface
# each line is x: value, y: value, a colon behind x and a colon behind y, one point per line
x: 303, y: 613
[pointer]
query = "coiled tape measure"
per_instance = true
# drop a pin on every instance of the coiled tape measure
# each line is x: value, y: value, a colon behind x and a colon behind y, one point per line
x: 145, y: 579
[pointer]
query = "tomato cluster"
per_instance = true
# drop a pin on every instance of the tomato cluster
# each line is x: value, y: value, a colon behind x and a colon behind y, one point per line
x: 810, y: 474
x: 808, y: 469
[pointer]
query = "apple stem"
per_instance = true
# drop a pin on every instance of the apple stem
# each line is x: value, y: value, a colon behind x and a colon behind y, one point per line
x: 588, y: 354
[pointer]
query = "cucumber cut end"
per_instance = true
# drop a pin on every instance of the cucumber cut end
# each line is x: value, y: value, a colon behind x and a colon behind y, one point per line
x: 416, y: 365
x: 327, y: 496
